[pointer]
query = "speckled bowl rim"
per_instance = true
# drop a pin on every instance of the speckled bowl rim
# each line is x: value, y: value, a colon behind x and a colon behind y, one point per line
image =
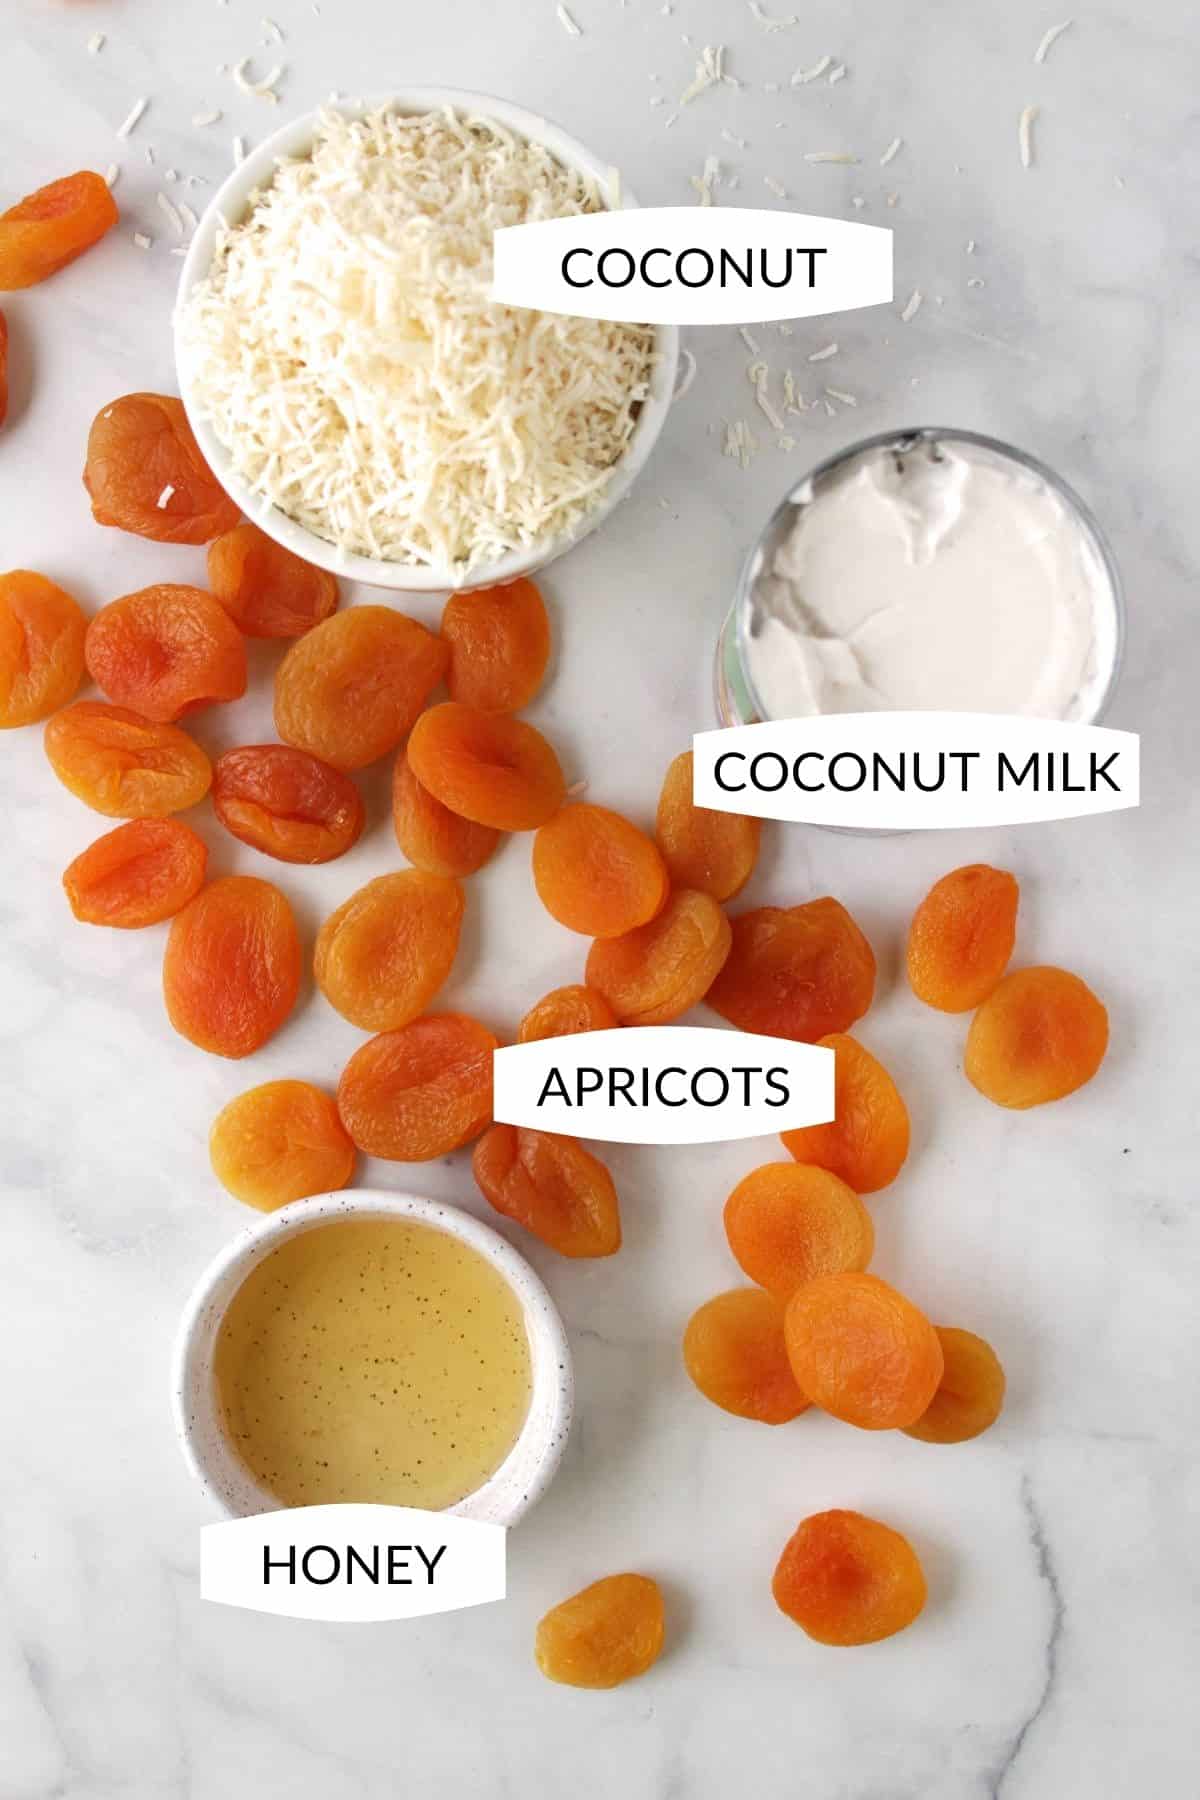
x: 530, y: 1465
x: 231, y: 202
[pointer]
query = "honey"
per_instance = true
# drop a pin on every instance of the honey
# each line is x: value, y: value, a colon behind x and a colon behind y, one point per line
x: 373, y: 1360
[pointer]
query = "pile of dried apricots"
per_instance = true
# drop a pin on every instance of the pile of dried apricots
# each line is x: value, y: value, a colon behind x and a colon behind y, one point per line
x: 815, y: 1328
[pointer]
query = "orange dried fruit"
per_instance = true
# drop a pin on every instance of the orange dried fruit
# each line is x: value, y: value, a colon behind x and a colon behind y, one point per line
x: 712, y: 851
x: 487, y: 767
x: 787, y: 1223
x: 734, y: 1351
x: 653, y: 974
x: 962, y: 937
x: 166, y: 651
x: 565, y: 1011
x: 1037, y: 1037
x: 280, y: 1142
x: 604, y: 1635
x: 286, y: 803
x: 3, y: 367
x: 795, y: 972
x: 385, y: 952
x: 231, y: 971
x: 420, y: 1092
x: 267, y: 590
x: 42, y: 633
x: 970, y: 1393
x: 123, y: 765
x: 847, y: 1579
x: 596, y: 873
x: 137, y: 875
x: 499, y: 642
x: 430, y: 835
x: 50, y: 228
x: 145, y: 473
x: 867, y: 1140
x: 552, y: 1186
x: 351, y: 688
x: 861, y: 1351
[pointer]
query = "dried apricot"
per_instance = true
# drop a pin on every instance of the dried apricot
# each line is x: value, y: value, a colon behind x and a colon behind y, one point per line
x: 419, y: 1092
x: 385, y: 952
x: 165, y: 651
x: 1037, y: 1037
x: 231, y: 971
x: 351, y: 688
x: 267, y: 590
x: 42, y: 634
x: 970, y: 1393
x: 286, y: 803
x: 50, y: 228
x: 596, y: 873
x: 866, y: 1141
x: 146, y: 474
x: 604, y: 1635
x: 552, y: 1186
x: 787, y: 1223
x: 499, y: 642
x: 712, y: 851
x: 563, y: 1012
x: 653, y: 974
x: 3, y: 367
x: 847, y: 1579
x: 280, y: 1142
x: 734, y: 1351
x: 795, y: 972
x: 861, y: 1351
x: 120, y: 764
x: 962, y: 937
x: 430, y: 835
x: 487, y: 767
x: 139, y: 874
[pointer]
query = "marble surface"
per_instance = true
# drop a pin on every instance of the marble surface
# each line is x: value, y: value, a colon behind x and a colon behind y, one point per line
x: 1058, y: 1655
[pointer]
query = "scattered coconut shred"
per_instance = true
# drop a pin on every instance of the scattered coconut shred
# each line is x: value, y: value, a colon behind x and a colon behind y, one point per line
x: 347, y: 354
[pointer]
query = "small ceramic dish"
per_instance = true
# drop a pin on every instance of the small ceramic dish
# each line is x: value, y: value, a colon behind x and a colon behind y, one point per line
x: 530, y: 1465
x: 232, y: 202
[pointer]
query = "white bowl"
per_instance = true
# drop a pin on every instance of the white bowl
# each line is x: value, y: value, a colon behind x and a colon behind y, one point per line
x: 231, y: 203
x: 528, y: 1468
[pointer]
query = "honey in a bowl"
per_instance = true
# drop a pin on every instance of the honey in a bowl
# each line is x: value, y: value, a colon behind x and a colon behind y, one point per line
x: 373, y: 1360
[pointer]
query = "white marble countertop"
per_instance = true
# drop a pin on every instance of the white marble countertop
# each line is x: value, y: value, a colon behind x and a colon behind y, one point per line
x: 1058, y: 1654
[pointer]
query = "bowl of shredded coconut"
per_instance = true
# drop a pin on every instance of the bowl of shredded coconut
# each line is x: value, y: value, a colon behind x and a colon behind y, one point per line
x: 351, y: 382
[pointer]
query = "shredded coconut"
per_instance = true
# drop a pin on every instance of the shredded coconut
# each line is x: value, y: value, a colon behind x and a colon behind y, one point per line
x: 770, y: 24
x: 710, y: 72
x: 893, y: 150
x: 838, y: 73
x: 164, y: 496
x: 112, y: 175
x: 348, y: 355
x: 570, y: 26
x: 171, y: 212
x: 758, y: 376
x: 208, y: 118
x: 96, y: 43
x: 776, y: 187
x: 748, y: 338
x: 142, y: 241
x: 132, y: 117
x: 825, y: 354
x: 705, y: 183
x: 828, y: 156
x: 840, y: 394
x: 740, y: 443
x: 815, y: 73
x: 262, y: 90
x: 912, y: 305
x: 1025, y: 136
x: 1050, y: 39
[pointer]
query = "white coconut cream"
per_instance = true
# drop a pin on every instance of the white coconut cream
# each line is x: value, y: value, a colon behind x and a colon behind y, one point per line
x: 933, y: 574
